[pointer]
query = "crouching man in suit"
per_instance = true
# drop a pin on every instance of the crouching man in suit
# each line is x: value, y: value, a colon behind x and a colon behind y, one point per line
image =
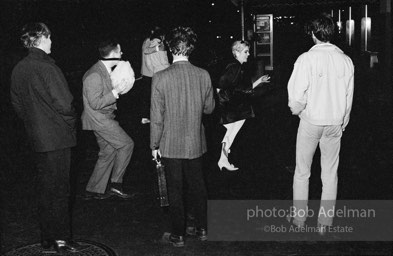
x: 181, y: 94
x: 99, y: 101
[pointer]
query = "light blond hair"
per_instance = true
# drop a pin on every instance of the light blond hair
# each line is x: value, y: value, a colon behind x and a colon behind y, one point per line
x: 239, y: 46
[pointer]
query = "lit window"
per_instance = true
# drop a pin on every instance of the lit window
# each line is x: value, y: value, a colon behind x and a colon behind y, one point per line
x: 365, y: 30
x: 350, y: 28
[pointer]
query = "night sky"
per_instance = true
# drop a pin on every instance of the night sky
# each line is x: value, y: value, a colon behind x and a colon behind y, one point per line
x: 76, y: 25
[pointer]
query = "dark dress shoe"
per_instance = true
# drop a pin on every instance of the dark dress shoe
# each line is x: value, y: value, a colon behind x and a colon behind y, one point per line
x: 69, y: 246
x: 98, y: 196
x: 201, y: 233
x: 176, y: 241
x: 60, y: 246
x: 120, y: 193
x: 191, y: 231
x: 48, y: 247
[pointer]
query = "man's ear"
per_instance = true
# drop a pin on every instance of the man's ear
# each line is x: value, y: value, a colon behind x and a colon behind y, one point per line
x: 38, y: 42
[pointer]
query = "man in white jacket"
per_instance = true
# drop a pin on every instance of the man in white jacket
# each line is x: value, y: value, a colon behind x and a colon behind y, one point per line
x: 320, y: 92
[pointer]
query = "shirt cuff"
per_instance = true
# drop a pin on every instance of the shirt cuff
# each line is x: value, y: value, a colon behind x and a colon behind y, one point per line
x: 115, y: 94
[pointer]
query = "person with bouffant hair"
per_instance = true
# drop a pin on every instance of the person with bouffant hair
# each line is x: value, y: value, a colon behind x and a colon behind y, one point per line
x: 42, y: 99
x: 235, y: 88
x: 181, y: 94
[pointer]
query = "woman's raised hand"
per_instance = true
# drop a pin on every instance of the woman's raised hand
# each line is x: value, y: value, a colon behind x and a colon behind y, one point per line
x: 265, y: 79
x: 262, y: 79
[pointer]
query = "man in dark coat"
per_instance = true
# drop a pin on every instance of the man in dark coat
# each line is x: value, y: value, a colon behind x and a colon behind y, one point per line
x: 181, y: 94
x: 41, y: 98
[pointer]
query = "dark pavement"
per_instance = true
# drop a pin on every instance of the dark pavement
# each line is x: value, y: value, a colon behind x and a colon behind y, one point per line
x: 264, y: 149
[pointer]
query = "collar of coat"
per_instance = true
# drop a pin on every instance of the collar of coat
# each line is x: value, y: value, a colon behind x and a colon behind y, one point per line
x: 37, y: 53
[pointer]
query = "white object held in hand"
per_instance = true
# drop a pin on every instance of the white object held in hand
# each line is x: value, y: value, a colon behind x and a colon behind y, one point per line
x: 123, y: 77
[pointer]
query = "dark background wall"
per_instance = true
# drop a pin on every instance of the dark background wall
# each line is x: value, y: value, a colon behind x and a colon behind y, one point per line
x: 77, y: 25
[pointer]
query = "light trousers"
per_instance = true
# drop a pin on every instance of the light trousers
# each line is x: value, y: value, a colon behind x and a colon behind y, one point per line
x: 116, y: 149
x: 329, y: 140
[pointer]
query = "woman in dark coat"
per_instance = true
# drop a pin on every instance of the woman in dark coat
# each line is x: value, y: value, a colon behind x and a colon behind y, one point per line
x: 235, y: 89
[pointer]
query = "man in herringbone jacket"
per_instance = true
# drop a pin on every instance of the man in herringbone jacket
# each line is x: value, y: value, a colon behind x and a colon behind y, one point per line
x: 181, y: 94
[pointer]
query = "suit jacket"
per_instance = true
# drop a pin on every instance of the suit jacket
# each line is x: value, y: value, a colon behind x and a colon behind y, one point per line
x: 181, y: 94
x: 98, y: 100
x: 42, y: 99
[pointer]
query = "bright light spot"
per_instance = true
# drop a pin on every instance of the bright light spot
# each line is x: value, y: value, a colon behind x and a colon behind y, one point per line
x: 212, y: 4
x: 368, y: 22
x: 292, y: 23
x: 238, y: 11
x: 339, y: 25
x: 231, y: 37
x: 210, y: 21
x: 218, y: 37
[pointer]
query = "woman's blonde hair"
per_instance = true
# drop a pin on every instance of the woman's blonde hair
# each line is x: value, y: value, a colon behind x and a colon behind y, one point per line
x: 238, y: 46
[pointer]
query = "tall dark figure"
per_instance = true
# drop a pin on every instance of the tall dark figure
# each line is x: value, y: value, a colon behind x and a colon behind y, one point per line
x: 181, y: 94
x: 42, y: 99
